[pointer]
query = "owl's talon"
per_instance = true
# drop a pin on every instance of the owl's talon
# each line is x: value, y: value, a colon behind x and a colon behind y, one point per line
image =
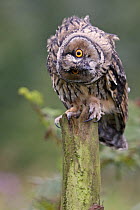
x: 95, y: 121
x: 92, y: 119
x: 69, y: 115
x: 56, y: 121
x: 95, y: 112
x: 72, y: 114
x: 57, y: 125
x: 88, y: 120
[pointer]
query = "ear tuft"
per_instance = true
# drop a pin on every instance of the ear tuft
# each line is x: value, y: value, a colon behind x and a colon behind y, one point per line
x: 87, y: 19
x: 113, y: 36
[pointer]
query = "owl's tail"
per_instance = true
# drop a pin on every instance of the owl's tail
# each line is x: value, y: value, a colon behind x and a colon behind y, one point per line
x: 111, y: 132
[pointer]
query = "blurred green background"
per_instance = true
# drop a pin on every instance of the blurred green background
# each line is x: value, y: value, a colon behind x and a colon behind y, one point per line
x: 25, y: 27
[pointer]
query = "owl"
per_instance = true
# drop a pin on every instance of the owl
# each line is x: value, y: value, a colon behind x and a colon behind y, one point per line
x: 87, y: 72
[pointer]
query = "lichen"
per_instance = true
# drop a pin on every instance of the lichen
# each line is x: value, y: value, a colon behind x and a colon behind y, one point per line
x: 81, y: 169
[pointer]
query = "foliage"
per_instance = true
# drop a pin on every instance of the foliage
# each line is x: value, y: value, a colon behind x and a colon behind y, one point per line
x: 46, y: 114
x: 128, y: 159
x: 119, y: 159
x: 34, y: 96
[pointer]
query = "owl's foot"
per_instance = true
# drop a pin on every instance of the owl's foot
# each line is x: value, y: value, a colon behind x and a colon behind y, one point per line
x: 56, y: 121
x: 95, y: 113
x: 73, y: 112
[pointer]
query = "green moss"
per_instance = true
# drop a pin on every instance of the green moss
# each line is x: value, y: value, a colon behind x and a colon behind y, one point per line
x: 81, y: 168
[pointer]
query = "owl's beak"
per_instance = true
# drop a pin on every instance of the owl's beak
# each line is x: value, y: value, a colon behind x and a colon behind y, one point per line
x: 82, y: 67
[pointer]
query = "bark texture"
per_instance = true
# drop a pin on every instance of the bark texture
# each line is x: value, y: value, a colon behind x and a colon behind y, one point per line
x: 81, y: 165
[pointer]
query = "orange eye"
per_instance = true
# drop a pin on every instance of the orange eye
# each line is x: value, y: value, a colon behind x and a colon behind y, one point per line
x: 75, y: 71
x: 79, y: 53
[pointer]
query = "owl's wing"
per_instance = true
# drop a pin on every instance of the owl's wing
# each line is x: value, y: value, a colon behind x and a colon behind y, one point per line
x: 111, y: 126
x: 118, y: 87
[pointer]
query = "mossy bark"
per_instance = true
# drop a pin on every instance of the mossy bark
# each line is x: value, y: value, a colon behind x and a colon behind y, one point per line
x: 81, y: 165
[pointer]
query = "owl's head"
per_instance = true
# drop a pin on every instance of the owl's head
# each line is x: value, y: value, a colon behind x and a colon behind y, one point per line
x: 79, y: 59
x: 80, y: 51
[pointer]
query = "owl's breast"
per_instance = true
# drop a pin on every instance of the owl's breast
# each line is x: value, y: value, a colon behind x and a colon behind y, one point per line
x: 70, y: 93
x: 74, y: 93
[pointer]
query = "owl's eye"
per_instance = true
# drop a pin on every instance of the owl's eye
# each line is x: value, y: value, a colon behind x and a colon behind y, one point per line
x: 79, y: 53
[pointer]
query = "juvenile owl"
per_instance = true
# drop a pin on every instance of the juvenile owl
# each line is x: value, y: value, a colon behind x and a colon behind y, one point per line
x: 86, y: 72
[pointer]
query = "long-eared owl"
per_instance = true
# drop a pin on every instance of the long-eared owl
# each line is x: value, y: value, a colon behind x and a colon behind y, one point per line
x: 87, y: 72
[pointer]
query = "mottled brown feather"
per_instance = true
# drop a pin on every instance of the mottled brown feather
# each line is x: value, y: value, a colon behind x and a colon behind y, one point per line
x: 96, y: 81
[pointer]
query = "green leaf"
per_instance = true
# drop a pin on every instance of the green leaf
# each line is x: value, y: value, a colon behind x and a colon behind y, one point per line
x: 32, y: 96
